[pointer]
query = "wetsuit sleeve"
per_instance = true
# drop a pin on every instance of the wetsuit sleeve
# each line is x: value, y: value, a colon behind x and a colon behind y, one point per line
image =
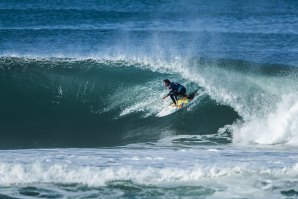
x: 172, y: 90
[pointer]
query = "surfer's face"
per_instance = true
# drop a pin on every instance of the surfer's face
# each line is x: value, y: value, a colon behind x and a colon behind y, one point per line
x: 166, y: 84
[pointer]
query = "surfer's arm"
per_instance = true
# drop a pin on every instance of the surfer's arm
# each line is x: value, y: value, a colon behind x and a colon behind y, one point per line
x: 170, y: 93
x: 164, y: 97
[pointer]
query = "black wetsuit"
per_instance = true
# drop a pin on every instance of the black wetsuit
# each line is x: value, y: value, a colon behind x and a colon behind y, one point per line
x: 175, y: 90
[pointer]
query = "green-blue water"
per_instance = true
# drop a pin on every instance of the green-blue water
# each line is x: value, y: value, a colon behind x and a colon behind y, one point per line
x: 81, y: 83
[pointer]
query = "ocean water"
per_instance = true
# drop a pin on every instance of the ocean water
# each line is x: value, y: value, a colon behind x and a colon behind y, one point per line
x: 81, y: 84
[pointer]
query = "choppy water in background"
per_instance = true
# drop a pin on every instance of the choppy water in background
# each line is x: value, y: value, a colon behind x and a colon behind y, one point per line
x: 81, y: 83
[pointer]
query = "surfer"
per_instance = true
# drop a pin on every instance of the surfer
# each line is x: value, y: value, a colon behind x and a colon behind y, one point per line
x: 176, y: 89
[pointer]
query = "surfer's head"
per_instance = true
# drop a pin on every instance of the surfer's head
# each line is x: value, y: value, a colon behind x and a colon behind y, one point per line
x: 166, y: 82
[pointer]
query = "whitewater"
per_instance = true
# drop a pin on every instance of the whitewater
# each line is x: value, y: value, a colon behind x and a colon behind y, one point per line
x: 81, y: 84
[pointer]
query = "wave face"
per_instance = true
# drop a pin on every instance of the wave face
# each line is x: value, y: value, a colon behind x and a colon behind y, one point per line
x: 113, y: 101
x: 80, y: 103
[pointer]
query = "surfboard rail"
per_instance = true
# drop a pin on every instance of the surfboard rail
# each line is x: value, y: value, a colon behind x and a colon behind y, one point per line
x: 181, y: 104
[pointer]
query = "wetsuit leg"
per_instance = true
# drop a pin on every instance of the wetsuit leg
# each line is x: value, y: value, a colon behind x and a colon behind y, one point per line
x: 173, y: 97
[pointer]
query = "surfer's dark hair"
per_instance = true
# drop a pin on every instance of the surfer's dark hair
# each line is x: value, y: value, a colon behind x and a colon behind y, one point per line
x: 166, y: 81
